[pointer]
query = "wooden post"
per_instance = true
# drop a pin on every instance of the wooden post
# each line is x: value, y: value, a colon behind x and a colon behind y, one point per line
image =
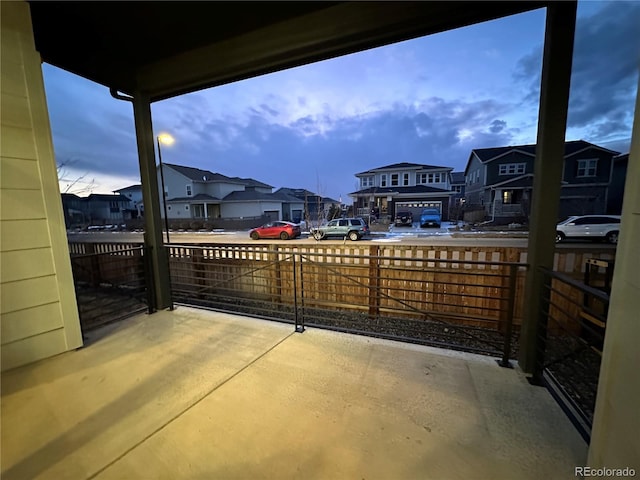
x: 548, y: 168
x: 374, y: 282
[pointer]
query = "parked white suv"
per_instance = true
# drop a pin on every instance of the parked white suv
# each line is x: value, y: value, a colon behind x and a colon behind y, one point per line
x: 594, y: 227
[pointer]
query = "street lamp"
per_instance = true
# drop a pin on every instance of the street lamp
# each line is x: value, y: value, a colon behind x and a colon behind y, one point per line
x: 165, y: 139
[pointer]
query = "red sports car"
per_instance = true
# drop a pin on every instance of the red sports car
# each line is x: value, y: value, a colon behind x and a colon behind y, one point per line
x: 281, y: 230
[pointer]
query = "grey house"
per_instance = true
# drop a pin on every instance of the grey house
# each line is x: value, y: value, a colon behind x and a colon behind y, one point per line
x: 314, y: 206
x: 403, y: 186
x: 193, y: 193
x: 499, y: 181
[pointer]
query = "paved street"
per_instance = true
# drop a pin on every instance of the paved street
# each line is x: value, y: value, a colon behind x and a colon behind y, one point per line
x: 404, y: 235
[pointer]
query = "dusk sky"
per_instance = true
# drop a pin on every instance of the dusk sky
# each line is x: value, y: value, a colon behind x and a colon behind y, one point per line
x: 430, y: 100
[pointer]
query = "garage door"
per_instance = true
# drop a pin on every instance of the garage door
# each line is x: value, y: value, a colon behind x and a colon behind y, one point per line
x: 417, y: 207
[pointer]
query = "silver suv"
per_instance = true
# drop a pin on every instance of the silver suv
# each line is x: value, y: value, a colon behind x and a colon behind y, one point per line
x: 594, y: 227
x: 352, y: 228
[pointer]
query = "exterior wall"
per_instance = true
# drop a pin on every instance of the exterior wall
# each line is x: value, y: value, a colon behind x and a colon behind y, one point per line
x: 178, y: 210
x: 38, y: 310
x: 249, y: 209
x: 221, y: 190
x: 603, y: 169
x: 474, y: 189
x: 176, y: 184
x: 493, y: 167
x: 445, y: 184
x: 614, y: 440
x: 616, y: 188
x: 587, y: 200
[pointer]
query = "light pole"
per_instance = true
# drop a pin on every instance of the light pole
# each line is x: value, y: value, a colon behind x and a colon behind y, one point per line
x: 166, y: 139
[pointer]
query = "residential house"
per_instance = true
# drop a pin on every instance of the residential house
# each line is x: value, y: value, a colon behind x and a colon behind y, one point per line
x: 499, y: 181
x: 107, y: 209
x: 74, y: 209
x: 96, y: 209
x: 193, y: 193
x: 404, y: 186
x: 314, y: 206
x: 616, y: 188
x: 133, y: 193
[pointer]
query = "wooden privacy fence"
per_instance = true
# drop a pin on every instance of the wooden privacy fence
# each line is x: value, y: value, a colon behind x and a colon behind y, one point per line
x: 298, y: 282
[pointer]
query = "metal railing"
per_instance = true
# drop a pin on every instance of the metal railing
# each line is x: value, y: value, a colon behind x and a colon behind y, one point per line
x: 457, y: 304
x: 111, y: 285
x: 569, y: 345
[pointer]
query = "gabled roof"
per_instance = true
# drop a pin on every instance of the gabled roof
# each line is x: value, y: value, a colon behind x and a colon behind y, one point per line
x: 250, y: 182
x: 108, y: 197
x: 296, y: 192
x: 301, y: 194
x: 199, y: 175
x: 570, y: 148
x: 198, y: 197
x: 285, y: 197
x: 457, y: 177
x: 525, y: 180
x: 129, y: 188
x: 404, y: 166
x: 401, y: 190
x: 207, y: 176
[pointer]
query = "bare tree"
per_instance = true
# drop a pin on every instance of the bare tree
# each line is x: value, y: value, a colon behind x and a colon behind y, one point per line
x: 77, y: 185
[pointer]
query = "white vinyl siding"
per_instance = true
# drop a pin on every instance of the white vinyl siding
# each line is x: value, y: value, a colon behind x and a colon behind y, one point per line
x: 38, y: 310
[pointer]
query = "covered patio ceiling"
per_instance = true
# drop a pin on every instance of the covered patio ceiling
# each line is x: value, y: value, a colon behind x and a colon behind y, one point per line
x: 166, y: 49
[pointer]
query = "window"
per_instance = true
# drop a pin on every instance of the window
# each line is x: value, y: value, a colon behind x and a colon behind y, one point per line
x: 421, y: 178
x: 405, y: 179
x: 512, y: 168
x: 366, y: 182
x: 188, y: 190
x: 457, y: 188
x: 587, y: 168
x: 383, y: 180
x: 395, y: 179
x: 507, y: 196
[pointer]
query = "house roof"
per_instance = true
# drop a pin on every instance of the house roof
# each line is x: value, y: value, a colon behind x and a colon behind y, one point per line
x: 130, y: 188
x: 198, y: 197
x: 518, y: 182
x: 570, y: 148
x: 405, y: 166
x: 301, y: 194
x: 250, y: 182
x: 252, y: 195
x: 207, y: 176
x: 296, y: 192
x: 457, y: 177
x: 199, y: 175
x: 401, y: 190
x: 107, y: 197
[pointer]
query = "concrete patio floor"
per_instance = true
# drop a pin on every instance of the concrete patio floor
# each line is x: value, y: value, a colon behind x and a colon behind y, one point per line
x: 201, y: 395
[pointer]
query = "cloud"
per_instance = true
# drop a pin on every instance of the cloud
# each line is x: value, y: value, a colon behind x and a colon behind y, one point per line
x: 604, y: 76
x: 497, y: 126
